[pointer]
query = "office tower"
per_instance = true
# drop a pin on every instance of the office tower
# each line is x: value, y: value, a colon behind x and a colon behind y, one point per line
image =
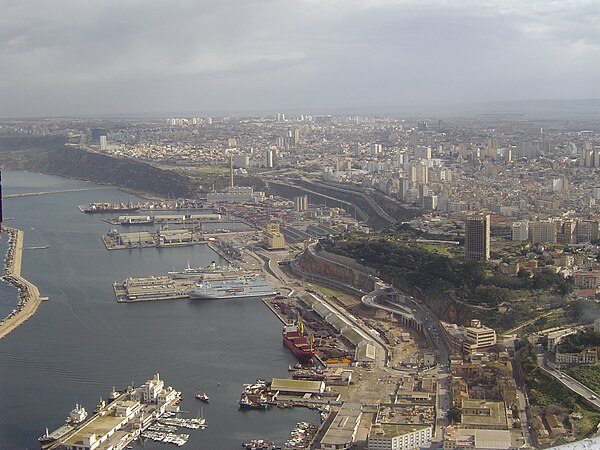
x: 376, y: 149
x: 103, y: 143
x: 477, y: 237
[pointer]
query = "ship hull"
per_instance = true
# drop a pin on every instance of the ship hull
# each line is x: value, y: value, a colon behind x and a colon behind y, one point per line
x: 306, y: 356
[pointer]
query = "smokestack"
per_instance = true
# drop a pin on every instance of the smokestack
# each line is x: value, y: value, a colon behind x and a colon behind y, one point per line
x: 231, y: 170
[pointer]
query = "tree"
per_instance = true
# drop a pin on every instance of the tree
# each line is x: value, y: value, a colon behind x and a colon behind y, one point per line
x: 454, y: 414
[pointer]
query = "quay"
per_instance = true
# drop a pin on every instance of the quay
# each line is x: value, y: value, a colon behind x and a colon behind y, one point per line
x: 151, y: 288
x: 117, y: 423
x: 30, y: 298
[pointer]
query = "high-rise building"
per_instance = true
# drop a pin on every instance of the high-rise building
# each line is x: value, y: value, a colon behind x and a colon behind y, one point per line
x: 301, y: 203
x: 543, y: 231
x: 103, y: 143
x: 270, y: 159
x: 586, y: 231
x: 565, y: 232
x: 477, y: 237
x: 430, y: 202
x: 520, y: 231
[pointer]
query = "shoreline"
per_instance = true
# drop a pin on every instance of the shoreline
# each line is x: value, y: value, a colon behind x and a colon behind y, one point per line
x: 29, y: 294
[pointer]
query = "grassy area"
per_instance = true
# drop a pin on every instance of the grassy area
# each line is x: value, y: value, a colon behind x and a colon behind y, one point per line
x: 546, y: 391
x: 586, y: 426
x: 586, y: 374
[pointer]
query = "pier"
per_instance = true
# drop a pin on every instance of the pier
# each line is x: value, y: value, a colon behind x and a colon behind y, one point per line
x: 33, y: 194
x: 30, y: 295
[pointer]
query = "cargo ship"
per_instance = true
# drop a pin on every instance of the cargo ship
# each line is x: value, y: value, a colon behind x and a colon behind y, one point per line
x: 293, y: 338
x: 239, y: 288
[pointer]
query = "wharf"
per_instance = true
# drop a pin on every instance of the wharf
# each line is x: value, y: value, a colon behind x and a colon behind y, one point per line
x: 152, y: 288
x: 282, y: 318
x: 29, y: 293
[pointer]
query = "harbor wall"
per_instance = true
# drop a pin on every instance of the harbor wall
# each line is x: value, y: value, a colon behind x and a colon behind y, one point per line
x: 30, y: 298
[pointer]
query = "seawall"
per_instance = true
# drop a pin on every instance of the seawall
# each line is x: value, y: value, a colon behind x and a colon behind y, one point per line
x: 30, y: 298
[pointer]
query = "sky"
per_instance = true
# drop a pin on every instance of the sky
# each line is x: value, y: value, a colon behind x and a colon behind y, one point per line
x: 102, y: 57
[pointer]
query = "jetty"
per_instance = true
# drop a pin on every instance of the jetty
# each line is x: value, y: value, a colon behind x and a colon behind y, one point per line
x: 30, y: 298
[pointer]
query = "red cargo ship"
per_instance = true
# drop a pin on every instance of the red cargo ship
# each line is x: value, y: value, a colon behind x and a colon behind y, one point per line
x: 294, y: 339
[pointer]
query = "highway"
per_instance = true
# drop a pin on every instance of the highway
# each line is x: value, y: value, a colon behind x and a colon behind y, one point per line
x: 590, y: 396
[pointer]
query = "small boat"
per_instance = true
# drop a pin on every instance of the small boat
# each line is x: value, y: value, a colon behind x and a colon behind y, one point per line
x: 202, y: 397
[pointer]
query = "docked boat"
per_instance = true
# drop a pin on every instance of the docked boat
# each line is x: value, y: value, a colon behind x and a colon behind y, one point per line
x: 247, y: 403
x: 202, y: 397
x: 77, y: 415
x: 239, y: 288
x: 200, y: 272
x: 293, y: 338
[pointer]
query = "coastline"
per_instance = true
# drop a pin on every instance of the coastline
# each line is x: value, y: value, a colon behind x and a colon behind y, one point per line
x: 30, y: 298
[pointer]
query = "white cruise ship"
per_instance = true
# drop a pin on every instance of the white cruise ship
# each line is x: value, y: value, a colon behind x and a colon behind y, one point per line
x: 240, y: 288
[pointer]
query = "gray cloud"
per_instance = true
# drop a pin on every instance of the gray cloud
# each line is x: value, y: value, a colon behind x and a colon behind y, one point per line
x: 84, y: 57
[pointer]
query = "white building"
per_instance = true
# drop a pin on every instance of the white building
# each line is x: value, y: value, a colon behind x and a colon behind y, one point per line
x: 398, y: 437
x: 479, y: 336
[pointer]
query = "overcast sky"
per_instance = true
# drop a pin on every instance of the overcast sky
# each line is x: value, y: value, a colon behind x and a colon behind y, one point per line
x: 84, y: 57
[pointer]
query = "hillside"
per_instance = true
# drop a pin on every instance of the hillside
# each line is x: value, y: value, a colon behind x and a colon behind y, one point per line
x: 49, y: 155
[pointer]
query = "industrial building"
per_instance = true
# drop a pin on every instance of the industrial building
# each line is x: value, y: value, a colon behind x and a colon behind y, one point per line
x: 341, y: 434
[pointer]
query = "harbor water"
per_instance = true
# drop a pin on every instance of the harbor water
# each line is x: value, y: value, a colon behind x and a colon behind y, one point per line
x: 82, y: 342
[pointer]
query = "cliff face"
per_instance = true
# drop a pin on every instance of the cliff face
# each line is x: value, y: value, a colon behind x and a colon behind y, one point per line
x: 49, y: 155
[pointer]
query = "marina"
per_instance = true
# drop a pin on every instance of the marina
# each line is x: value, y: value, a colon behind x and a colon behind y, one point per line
x: 128, y: 416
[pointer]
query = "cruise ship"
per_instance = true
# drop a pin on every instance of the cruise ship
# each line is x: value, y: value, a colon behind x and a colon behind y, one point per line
x: 239, y: 288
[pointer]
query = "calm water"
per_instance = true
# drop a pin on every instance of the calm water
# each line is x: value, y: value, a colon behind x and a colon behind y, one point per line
x: 81, y: 342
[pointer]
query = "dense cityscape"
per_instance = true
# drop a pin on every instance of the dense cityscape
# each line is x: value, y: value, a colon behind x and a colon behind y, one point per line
x: 286, y: 225
x: 444, y: 273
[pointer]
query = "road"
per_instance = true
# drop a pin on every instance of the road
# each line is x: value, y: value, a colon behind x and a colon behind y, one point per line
x: 522, y: 398
x: 590, y: 396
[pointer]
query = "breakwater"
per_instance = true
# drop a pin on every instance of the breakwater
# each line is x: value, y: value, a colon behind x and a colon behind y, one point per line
x: 29, y: 295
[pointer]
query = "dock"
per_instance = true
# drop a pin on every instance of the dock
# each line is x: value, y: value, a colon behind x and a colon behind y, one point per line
x: 144, y: 289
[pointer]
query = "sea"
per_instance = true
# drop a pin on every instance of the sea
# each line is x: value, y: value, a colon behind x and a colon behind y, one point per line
x: 81, y: 343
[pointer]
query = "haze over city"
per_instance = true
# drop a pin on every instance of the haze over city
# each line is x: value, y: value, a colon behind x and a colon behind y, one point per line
x: 300, y: 225
x: 69, y: 58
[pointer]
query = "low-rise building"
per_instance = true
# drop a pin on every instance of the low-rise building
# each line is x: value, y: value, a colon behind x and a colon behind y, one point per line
x: 478, y: 337
x: 342, y: 431
x: 483, y: 414
x: 398, y: 437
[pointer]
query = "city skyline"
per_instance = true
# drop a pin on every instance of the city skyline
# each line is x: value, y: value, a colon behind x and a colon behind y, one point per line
x: 125, y: 58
